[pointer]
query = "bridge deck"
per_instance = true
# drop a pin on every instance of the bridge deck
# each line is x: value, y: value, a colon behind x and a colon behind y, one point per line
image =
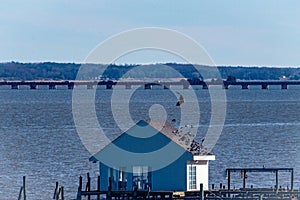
x: 147, y: 84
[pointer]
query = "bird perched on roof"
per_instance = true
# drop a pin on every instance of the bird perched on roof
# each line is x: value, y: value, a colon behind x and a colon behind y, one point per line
x: 202, y: 140
x: 181, y: 99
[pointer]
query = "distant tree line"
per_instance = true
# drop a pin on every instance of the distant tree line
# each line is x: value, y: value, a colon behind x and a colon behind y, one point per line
x: 69, y: 71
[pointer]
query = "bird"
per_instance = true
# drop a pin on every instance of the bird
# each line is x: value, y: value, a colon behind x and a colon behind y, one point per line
x: 203, y: 140
x: 181, y: 99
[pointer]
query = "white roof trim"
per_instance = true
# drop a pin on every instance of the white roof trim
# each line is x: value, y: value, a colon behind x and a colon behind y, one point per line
x: 204, y: 157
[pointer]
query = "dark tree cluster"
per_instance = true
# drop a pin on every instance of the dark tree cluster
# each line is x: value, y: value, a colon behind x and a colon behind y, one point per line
x: 69, y: 71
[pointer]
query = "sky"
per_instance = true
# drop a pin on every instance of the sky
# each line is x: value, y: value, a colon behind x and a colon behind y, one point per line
x: 243, y: 33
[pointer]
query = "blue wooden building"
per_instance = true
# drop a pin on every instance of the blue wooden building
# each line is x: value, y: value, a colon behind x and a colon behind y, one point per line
x: 153, y: 155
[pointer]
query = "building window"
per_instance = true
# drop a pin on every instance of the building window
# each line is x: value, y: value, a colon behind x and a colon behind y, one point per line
x: 192, y: 177
x: 141, y: 178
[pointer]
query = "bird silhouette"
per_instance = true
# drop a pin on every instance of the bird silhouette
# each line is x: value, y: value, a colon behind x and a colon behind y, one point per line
x: 202, y: 140
x: 181, y: 99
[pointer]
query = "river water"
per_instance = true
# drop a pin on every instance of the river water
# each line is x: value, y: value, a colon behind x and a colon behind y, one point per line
x: 39, y: 139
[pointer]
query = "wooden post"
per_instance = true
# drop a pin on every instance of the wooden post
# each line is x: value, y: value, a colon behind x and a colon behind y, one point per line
x: 80, y: 183
x: 20, y: 193
x: 24, y: 187
x: 57, y: 194
x: 292, y: 179
x: 228, y: 179
x: 201, y: 192
x: 109, y: 183
x: 244, y: 178
x: 276, y: 174
x: 135, y: 193
x: 148, y: 191
x: 98, y: 188
x: 79, y: 188
x: 62, y: 193
x: 55, y: 191
x: 108, y: 196
x: 88, y: 185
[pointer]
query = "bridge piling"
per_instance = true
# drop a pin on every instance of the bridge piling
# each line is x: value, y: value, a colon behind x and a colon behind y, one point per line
x: 127, y: 86
x: 284, y: 86
x: 186, y: 86
x: 52, y: 86
x: 167, y: 86
x: 225, y: 86
x: 245, y: 86
x: 33, y: 86
x: 70, y: 86
x: 89, y: 86
x: 14, y: 86
x: 264, y: 86
x: 148, y: 86
x: 204, y: 86
x: 109, y: 86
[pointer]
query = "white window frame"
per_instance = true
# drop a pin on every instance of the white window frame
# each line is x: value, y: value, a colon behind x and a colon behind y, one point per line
x: 192, y: 179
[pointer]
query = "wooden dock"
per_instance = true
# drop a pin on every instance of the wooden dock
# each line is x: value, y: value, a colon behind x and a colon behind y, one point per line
x: 211, y: 194
x: 86, y: 193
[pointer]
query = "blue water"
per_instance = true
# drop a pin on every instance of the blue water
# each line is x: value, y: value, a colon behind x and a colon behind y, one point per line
x: 39, y: 138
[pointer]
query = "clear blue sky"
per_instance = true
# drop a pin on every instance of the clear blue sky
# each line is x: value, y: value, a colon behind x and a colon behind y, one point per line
x: 245, y: 32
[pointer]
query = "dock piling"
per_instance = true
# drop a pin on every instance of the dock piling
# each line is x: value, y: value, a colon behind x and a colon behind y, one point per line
x: 23, y: 190
x: 24, y: 187
x: 88, y: 185
x: 58, y: 192
x: 108, y: 196
x: 292, y: 180
x: 201, y: 192
x: 79, y: 188
x: 55, y: 191
x: 62, y: 193
x: 98, y: 188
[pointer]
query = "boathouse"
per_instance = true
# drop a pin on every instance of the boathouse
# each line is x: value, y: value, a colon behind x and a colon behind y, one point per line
x: 155, y: 156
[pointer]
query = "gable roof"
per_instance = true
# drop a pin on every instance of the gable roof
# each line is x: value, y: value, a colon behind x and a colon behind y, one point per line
x: 145, y: 129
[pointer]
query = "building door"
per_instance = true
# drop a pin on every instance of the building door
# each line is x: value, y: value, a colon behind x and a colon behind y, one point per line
x: 141, y: 177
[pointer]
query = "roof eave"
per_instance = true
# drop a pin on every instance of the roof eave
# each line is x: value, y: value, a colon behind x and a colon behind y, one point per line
x: 93, y: 159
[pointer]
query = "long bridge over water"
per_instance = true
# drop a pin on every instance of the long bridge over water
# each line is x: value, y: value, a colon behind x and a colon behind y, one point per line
x: 185, y: 83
